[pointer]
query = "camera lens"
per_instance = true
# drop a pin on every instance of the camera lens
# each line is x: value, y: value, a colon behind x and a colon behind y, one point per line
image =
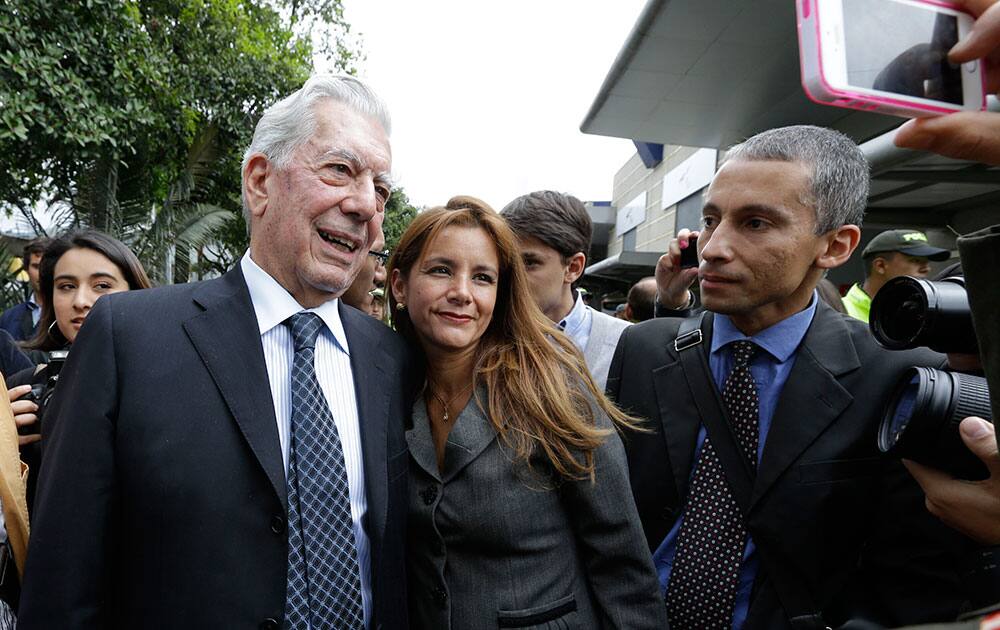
x: 909, y: 312
x: 922, y: 417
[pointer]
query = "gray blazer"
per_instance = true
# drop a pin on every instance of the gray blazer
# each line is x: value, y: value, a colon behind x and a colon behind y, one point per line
x: 492, y: 545
x: 604, y: 333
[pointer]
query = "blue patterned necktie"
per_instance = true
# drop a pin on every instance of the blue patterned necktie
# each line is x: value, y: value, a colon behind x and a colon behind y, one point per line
x: 324, y: 584
x: 701, y: 594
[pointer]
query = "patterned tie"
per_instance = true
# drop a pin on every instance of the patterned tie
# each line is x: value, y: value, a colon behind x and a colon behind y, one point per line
x: 702, y: 591
x: 324, y: 584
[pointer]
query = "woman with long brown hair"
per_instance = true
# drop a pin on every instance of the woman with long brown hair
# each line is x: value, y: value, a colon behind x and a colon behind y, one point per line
x: 521, y: 513
x: 76, y: 269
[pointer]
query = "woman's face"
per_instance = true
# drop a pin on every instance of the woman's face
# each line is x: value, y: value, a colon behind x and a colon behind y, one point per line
x: 451, y: 290
x: 80, y: 277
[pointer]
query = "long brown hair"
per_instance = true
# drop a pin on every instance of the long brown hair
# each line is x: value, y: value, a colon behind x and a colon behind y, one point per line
x: 541, y: 395
x: 49, y: 336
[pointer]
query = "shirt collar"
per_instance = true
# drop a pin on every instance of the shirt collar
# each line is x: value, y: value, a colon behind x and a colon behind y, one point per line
x: 33, y: 301
x: 273, y: 304
x: 575, y: 318
x: 780, y: 340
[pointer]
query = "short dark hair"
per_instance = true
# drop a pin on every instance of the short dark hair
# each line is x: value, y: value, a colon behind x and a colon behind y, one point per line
x: 34, y: 246
x: 641, y: 297
x: 48, y: 336
x: 556, y: 219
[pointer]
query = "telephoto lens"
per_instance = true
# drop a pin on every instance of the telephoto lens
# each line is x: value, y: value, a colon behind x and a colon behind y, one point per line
x: 909, y: 313
x: 922, y: 417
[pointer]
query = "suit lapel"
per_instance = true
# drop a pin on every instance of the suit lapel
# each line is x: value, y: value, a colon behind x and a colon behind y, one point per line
x: 370, y: 367
x: 421, y: 442
x: 470, y: 436
x: 227, y: 338
x: 677, y: 408
x: 596, y: 341
x: 811, y: 399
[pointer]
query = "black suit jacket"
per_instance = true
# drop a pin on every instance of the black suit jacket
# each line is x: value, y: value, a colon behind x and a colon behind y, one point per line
x: 19, y: 322
x: 162, y: 500
x: 844, y: 522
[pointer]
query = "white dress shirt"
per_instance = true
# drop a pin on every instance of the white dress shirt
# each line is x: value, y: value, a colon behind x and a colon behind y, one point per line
x: 272, y: 305
x: 577, y: 323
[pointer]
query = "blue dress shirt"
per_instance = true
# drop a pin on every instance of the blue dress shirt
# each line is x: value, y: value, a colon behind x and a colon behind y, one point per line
x: 770, y: 369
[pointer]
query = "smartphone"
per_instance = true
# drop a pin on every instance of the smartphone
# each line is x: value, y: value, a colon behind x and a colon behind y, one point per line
x: 689, y: 255
x: 889, y: 56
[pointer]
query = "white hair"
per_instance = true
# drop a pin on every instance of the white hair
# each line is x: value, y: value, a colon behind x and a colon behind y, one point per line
x: 289, y: 123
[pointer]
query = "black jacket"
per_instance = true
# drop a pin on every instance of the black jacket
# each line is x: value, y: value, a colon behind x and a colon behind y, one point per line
x: 845, y: 523
x: 162, y: 502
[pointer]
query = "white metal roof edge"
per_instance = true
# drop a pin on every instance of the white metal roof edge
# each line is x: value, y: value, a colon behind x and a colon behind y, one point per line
x: 625, y: 55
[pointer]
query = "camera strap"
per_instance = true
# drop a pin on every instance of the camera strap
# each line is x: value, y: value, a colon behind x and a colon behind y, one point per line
x: 796, y: 600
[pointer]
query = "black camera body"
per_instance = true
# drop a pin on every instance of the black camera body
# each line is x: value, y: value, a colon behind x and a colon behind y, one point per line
x: 43, y: 389
x: 921, y: 418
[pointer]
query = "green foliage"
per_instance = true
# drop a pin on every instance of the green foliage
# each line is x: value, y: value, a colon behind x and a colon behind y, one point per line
x: 398, y: 214
x: 323, y: 21
x: 132, y: 116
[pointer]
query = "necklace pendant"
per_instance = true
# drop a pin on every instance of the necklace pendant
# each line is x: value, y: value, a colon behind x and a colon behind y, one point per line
x: 445, y: 415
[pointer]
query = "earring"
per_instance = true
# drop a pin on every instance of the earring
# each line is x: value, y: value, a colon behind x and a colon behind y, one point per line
x: 400, y: 307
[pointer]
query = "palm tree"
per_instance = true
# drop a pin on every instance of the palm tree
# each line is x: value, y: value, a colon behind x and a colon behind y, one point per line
x: 110, y: 196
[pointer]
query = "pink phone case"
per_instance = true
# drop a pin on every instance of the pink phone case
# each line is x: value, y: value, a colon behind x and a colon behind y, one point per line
x: 820, y: 91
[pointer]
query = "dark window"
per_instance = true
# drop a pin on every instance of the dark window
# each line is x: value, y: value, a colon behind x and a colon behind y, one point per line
x: 628, y: 241
x: 689, y: 212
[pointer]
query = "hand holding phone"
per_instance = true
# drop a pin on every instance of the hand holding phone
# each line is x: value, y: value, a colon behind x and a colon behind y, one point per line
x: 673, y: 276
x: 967, y: 135
x: 689, y: 255
x: 889, y: 56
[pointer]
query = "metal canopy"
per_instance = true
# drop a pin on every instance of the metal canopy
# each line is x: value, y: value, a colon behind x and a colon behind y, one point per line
x: 710, y: 73
x: 625, y: 268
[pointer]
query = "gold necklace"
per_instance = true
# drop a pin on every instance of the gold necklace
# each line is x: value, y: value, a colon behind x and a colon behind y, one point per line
x: 444, y: 404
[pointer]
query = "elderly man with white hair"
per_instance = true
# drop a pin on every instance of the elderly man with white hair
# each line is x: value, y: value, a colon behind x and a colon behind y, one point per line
x: 231, y: 453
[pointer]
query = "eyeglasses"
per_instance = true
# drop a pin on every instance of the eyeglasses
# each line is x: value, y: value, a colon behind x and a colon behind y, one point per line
x: 382, y: 256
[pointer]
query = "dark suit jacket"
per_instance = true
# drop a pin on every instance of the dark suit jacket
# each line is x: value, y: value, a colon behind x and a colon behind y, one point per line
x: 162, y: 500
x: 844, y: 522
x: 17, y: 321
x: 12, y: 359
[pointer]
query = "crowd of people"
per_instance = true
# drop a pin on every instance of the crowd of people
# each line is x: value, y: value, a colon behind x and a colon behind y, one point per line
x: 446, y: 435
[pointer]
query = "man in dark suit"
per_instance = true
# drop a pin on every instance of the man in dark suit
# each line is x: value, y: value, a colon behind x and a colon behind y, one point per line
x: 21, y: 320
x: 231, y: 454
x: 769, y: 506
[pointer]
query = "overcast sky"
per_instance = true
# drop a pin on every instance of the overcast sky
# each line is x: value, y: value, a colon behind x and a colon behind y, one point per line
x: 487, y: 97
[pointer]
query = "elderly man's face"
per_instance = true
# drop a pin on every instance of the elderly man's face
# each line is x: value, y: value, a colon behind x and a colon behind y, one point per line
x: 316, y: 219
x: 358, y: 294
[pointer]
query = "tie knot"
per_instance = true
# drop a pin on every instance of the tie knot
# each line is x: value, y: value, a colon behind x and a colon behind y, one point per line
x: 305, y: 328
x: 743, y: 351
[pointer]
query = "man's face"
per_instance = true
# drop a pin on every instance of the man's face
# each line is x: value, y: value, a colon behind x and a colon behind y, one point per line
x: 900, y: 264
x: 358, y: 294
x: 547, y: 275
x: 317, y: 217
x: 34, y: 260
x: 758, y: 247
